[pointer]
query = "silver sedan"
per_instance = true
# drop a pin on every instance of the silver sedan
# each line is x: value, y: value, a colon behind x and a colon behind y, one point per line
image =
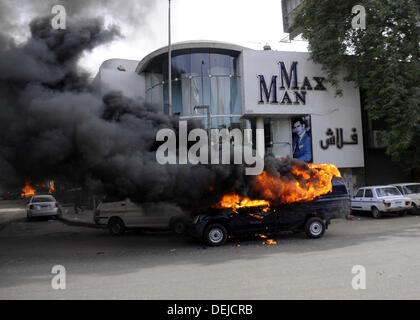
x: 42, y: 206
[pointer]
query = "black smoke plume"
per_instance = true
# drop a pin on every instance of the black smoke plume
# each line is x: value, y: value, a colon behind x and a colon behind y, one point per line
x: 53, y: 126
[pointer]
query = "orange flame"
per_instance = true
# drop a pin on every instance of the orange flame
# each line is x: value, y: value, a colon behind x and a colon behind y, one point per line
x: 236, y: 201
x: 27, y: 190
x: 269, y: 241
x: 307, y: 185
x: 266, y: 239
x: 52, y: 188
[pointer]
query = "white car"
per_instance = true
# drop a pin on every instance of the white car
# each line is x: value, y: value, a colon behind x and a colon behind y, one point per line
x: 42, y: 206
x: 412, y: 191
x: 121, y: 215
x: 380, y: 199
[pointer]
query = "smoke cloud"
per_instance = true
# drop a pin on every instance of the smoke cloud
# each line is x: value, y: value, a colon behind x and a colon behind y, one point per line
x: 15, y: 15
x: 53, y: 126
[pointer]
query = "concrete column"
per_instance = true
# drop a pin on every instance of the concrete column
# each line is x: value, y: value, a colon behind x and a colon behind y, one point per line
x: 259, y: 137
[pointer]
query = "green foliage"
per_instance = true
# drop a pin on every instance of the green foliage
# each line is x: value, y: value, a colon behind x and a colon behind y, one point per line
x: 383, y: 59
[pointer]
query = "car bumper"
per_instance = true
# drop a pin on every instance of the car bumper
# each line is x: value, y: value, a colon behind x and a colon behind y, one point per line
x: 43, y: 212
x: 396, y: 209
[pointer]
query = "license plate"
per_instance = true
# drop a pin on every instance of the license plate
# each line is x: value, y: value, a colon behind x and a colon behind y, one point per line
x: 398, y: 202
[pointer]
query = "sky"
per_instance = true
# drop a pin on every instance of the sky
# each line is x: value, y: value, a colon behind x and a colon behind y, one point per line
x: 248, y: 23
x: 144, y: 24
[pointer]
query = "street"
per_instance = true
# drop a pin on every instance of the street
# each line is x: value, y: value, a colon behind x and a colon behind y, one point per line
x: 161, y: 265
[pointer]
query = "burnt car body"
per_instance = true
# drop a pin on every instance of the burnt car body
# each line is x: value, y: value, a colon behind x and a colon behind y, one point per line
x: 216, y: 225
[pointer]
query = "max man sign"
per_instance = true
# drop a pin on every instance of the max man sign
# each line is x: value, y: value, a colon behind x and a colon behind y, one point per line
x: 289, y: 91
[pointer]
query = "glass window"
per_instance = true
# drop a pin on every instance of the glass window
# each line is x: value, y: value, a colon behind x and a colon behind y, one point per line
x: 149, y: 96
x: 200, y: 92
x: 360, y: 193
x: 200, y: 77
x: 181, y: 66
x: 155, y: 78
x: 368, y: 193
x: 43, y: 199
x: 221, y: 122
x: 389, y: 191
x: 412, y: 189
x: 235, y: 123
x: 148, y: 81
x: 221, y: 64
x: 157, y: 95
x: 220, y: 95
x: 235, y: 97
x: 200, y: 64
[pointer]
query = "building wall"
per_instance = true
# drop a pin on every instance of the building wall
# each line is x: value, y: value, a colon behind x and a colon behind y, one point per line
x: 326, y: 110
x: 120, y: 75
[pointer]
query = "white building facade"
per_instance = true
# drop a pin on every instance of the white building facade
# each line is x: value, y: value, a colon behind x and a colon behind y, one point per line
x: 275, y: 91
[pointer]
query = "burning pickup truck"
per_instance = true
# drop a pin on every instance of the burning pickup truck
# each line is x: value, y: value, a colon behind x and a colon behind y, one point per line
x: 313, y: 217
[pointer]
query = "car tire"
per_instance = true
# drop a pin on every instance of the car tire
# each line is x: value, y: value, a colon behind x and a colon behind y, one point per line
x: 116, y: 226
x: 415, y: 209
x: 314, y: 228
x: 402, y: 213
x: 178, y: 227
x: 29, y: 217
x: 376, y: 213
x: 215, y: 234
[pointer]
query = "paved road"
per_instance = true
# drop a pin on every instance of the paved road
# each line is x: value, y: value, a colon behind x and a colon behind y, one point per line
x: 164, y: 266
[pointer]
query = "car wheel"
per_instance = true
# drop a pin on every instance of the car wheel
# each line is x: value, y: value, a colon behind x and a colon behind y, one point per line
x: 415, y: 209
x: 376, y: 213
x: 116, y: 226
x: 29, y: 217
x: 314, y: 228
x: 215, y: 234
x: 178, y: 227
x: 402, y: 213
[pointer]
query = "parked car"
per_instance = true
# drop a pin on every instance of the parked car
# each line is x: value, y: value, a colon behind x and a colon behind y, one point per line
x: 120, y: 215
x: 313, y: 217
x: 42, y: 206
x: 412, y: 191
x: 380, y: 199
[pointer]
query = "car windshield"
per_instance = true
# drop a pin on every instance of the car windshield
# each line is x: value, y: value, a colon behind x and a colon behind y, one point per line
x: 43, y: 199
x: 411, y: 189
x: 383, y: 192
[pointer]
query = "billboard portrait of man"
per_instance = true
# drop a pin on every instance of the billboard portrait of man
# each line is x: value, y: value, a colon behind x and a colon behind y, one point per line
x: 302, y: 142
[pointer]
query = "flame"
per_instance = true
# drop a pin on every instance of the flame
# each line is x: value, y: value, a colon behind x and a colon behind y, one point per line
x: 52, y: 188
x: 266, y: 239
x: 27, y: 190
x: 306, y: 185
x: 235, y: 201
x: 269, y: 241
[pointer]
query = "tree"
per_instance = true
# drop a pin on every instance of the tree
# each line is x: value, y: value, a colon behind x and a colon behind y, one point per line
x: 382, y: 59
